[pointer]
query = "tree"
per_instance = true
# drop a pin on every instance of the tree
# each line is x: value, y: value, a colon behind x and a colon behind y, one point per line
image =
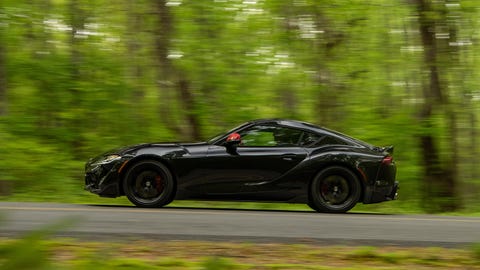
x: 440, y: 175
x: 3, y: 75
x: 174, y: 85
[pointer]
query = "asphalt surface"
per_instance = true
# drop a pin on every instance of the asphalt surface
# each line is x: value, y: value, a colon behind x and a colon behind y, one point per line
x: 114, y: 223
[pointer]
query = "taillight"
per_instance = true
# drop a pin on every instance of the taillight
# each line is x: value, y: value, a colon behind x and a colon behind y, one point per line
x: 387, y: 160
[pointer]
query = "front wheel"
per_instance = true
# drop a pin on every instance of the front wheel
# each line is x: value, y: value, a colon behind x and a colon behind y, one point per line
x: 149, y: 184
x: 334, y: 190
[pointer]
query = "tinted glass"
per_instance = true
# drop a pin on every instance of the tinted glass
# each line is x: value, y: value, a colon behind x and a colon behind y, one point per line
x: 309, y: 139
x: 264, y: 135
x: 327, y: 140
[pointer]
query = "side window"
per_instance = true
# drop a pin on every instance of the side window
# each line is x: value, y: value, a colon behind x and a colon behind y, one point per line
x: 327, y: 140
x: 258, y: 136
x: 309, y: 139
x: 265, y: 135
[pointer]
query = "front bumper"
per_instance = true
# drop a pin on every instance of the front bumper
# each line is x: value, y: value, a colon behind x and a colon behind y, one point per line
x: 100, y: 188
x: 103, y: 179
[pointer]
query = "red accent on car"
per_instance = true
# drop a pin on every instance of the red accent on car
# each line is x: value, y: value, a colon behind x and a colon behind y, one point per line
x: 233, y: 137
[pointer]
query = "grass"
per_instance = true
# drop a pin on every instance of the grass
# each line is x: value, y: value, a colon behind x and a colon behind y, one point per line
x: 39, y: 253
x: 84, y: 197
x: 393, y: 207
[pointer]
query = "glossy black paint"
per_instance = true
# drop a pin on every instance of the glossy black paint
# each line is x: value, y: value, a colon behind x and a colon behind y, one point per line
x: 214, y: 170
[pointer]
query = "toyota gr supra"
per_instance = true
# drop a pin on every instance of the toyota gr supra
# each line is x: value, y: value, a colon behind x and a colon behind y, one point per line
x: 272, y: 160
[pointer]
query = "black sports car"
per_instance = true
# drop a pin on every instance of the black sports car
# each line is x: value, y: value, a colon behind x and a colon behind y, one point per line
x: 262, y: 160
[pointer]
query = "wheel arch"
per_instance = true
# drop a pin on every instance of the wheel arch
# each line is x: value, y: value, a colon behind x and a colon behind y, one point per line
x: 356, y: 171
x: 124, y: 170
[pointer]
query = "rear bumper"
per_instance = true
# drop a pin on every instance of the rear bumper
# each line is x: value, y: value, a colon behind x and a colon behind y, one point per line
x: 378, y: 193
x: 383, y: 187
x: 394, y: 194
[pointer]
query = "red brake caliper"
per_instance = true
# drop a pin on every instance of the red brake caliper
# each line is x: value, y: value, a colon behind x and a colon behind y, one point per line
x: 159, y: 182
x: 324, y: 189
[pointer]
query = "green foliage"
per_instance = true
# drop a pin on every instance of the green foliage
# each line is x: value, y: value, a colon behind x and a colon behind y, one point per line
x: 36, y: 165
x: 371, y: 254
x: 476, y: 251
x: 30, y: 252
x: 36, y: 252
x: 83, y: 77
x: 365, y: 253
x: 216, y: 263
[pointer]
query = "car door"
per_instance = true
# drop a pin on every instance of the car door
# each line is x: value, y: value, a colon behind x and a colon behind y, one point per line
x: 266, y: 153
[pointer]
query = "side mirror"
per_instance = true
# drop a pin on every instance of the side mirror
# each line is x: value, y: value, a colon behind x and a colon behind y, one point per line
x: 231, y: 143
x: 233, y: 139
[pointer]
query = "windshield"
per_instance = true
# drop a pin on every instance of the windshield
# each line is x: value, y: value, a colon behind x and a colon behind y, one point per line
x: 217, y: 137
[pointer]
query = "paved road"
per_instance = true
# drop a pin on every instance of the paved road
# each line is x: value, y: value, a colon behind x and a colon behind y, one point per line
x: 124, y: 223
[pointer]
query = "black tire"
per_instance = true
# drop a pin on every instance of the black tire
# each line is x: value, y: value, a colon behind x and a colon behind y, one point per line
x: 149, y: 184
x: 334, y: 190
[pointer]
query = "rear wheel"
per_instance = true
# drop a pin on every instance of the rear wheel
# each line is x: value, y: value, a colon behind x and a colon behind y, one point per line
x: 334, y: 190
x: 149, y: 184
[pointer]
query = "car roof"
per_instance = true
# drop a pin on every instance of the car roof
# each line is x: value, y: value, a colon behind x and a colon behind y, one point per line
x: 309, y: 127
x: 290, y: 123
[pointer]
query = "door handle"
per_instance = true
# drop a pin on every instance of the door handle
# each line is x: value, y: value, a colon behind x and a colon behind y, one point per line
x: 288, y: 157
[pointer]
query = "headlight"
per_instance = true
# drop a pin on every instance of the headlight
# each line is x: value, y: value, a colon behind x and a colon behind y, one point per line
x: 109, y: 159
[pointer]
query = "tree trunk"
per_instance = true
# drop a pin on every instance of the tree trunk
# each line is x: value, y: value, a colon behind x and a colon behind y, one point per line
x: 189, y: 106
x: 134, y: 45
x: 173, y: 84
x: 3, y: 79
x: 439, y: 177
x: 163, y: 31
x: 77, y: 22
x: 137, y: 69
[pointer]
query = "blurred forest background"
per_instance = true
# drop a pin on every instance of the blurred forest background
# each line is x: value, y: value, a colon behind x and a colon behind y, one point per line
x: 78, y: 77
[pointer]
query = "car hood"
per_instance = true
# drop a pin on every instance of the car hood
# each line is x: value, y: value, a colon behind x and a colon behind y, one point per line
x: 133, y: 148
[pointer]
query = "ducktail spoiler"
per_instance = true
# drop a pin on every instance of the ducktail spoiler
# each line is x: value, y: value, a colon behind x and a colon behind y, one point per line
x: 388, y: 149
